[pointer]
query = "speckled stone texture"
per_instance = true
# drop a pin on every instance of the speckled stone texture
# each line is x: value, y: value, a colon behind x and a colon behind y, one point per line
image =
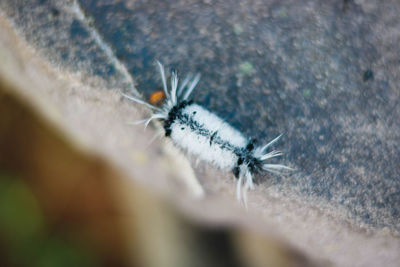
x: 293, y: 67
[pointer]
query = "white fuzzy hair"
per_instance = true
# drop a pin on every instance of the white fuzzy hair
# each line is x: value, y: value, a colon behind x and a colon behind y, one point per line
x: 201, y: 145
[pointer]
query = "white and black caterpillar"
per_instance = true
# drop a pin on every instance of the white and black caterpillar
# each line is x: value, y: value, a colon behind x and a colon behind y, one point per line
x: 202, y: 133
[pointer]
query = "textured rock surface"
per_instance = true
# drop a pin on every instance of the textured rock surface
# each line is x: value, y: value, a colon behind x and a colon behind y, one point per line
x: 324, y: 73
x: 293, y: 67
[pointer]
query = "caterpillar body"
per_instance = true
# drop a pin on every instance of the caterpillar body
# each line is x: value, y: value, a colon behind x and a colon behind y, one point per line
x: 200, y: 132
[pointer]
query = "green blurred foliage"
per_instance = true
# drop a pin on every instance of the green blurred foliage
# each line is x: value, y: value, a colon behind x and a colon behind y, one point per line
x: 20, y: 215
x: 27, y: 238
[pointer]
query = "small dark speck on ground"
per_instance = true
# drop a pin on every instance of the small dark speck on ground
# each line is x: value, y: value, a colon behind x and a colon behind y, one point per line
x: 368, y: 75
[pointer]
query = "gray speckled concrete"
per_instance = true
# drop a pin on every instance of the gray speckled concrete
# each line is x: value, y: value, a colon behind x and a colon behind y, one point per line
x: 296, y: 67
x: 324, y: 73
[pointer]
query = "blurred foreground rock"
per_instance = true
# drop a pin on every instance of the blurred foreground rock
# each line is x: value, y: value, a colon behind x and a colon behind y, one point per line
x: 61, y: 204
